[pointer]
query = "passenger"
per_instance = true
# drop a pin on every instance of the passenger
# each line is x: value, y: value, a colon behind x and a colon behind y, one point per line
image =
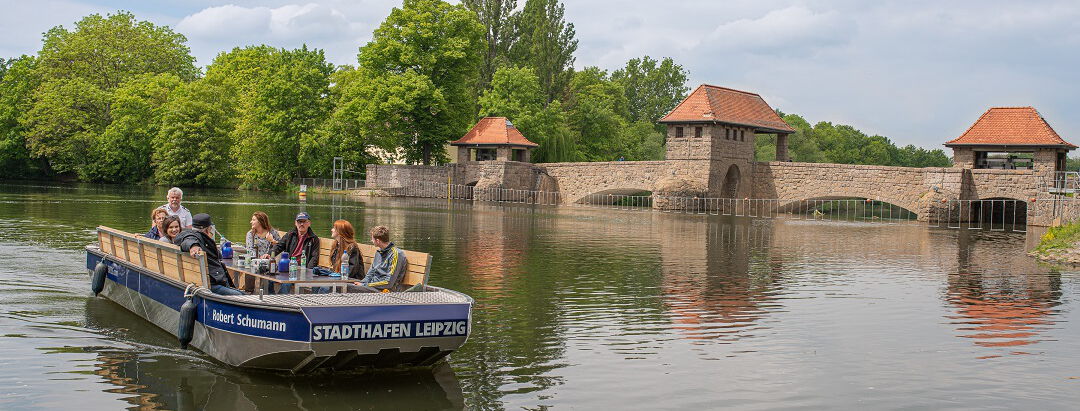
x: 344, y: 242
x: 171, y: 228
x: 199, y: 240
x: 174, y: 208
x: 388, y: 268
x: 262, y: 237
x: 299, y: 241
x: 157, y: 215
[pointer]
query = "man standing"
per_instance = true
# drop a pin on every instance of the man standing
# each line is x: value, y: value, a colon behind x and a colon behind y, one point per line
x: 299, y: 241
x: 388, y: 268
x: 173, y: 207
x: 199, y: 240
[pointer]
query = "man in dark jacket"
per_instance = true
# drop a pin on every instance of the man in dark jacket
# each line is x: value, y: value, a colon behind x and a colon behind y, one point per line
x: 199, y: 240
x: 299, y: 241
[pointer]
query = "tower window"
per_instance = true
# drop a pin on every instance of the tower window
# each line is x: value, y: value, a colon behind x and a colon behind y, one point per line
x: 678, y: 132
x: 727, y: 134
x: 742, y: 135
x: 697, y: 132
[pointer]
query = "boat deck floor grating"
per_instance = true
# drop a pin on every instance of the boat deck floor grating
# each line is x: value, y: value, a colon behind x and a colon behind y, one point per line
x: 312, y: 300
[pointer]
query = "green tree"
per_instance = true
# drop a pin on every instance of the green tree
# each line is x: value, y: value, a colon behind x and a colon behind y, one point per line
x: 289, y: 102
x: 652, y: 88
x: 597, y: 112
x: 79, y: 70
x: 432, y: 45
x: 545, y: 43
x: 64, y: 123
x: 127, y: 144
x: 194, y: 144
x: 17, y: 81
x: 515, y: 94
x: 341, y: 134
x: 497, y: 16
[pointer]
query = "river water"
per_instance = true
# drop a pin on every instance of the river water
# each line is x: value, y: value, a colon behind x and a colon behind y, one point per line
x: 578, y: 309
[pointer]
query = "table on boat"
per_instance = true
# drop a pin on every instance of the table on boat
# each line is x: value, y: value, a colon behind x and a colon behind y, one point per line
x: 304, y: 278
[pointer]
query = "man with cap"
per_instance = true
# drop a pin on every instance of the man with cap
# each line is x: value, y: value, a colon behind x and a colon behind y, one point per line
x: 199, y: 240
x: 299, y: 241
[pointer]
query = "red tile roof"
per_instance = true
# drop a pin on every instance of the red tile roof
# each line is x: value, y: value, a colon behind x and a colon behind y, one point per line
x: 494, y: 131
x: 724, y: 105
x: 1019, y: 126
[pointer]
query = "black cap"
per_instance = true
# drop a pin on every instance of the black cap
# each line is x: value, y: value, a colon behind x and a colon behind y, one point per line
x: 303, y: 216
x: 201, y: 220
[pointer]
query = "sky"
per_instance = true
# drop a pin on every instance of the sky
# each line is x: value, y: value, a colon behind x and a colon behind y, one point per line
x: 919, y: 72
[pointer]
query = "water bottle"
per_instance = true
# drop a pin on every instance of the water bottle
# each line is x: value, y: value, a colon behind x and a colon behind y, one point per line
x: 344, y: 264
x: 303, y: 258
x: 294, y: 269
x: 226, y: 249
x: 283, y: 263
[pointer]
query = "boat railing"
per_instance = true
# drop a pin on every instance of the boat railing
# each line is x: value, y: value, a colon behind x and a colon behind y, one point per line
x: 156, y: 256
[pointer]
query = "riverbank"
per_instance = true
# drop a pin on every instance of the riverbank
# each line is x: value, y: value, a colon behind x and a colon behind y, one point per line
x: 1060, y: 245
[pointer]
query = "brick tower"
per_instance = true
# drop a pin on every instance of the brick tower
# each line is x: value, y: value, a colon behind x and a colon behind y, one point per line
x: 710, y: 139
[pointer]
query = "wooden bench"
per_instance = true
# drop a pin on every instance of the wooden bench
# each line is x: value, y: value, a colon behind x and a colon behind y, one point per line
x: 157, y: 256
x: 417, y: 273
x: 419, y: 265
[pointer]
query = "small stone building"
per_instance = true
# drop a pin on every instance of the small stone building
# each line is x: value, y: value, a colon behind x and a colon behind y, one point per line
x: 493, y: 138
x: 713, y: 129
x: 1011, y: 138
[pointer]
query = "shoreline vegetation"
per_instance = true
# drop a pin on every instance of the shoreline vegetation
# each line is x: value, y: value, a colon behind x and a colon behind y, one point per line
x: 256, y: 117
x: 1060, y: 244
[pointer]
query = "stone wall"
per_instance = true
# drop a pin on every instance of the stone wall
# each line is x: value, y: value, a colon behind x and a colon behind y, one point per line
x: 923, y: 191
x: 576, y: 180
x: 395, y: 175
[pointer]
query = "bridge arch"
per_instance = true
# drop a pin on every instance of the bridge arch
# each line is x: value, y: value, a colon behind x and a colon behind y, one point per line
x: 618, y: 195
x: 849, y: 206
x: 730, y: 187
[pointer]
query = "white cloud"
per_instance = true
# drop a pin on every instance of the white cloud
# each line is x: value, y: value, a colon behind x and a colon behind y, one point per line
x: 220, y: 28
x: 788, y: 30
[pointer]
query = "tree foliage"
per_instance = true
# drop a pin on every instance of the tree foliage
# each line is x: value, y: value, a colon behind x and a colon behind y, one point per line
x: 546, y: 43
x: 426, y: 49
x: 194, y: 144
x: 515, y: 94
x: 652, y: 87
x: 283, y: 105
x: 18, y: 80
x: 127, y: 144
x: 79, y: 72
x: 826, y: 142
x: 498, y: 18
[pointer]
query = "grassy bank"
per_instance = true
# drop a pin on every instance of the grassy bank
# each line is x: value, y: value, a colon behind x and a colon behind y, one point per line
x: 1059, y: 244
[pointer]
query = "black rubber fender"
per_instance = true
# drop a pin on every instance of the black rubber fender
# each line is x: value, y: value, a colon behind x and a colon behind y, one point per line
x: 186, y: 327
x: 97, y: 279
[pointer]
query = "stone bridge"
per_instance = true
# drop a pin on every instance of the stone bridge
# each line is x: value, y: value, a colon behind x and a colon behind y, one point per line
x: 710, y: 152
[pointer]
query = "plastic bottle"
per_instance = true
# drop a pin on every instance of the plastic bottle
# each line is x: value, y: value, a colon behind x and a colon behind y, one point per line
x: 283, y: 263
x: 344, y: 264
x: 294, y: 269
x: 303, y: 258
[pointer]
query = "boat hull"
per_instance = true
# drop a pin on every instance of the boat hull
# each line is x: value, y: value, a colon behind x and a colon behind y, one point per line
x: 299, y: 333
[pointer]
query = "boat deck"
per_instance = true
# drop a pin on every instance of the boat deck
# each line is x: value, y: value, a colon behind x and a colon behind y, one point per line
x: 353, y: 299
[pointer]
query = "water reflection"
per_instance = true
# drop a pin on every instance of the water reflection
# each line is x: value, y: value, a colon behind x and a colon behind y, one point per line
x: 1001, y: 301
x: 715, y: 283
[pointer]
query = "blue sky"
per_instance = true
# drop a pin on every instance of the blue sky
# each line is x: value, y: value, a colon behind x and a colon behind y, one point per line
x: 918, y: 72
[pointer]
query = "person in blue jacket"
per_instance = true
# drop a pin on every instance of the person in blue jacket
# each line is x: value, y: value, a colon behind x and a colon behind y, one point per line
x: 389, y: 265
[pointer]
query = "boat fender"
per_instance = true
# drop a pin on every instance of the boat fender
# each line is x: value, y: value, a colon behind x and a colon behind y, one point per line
x: 97, y: 280
x: 186, y: 328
